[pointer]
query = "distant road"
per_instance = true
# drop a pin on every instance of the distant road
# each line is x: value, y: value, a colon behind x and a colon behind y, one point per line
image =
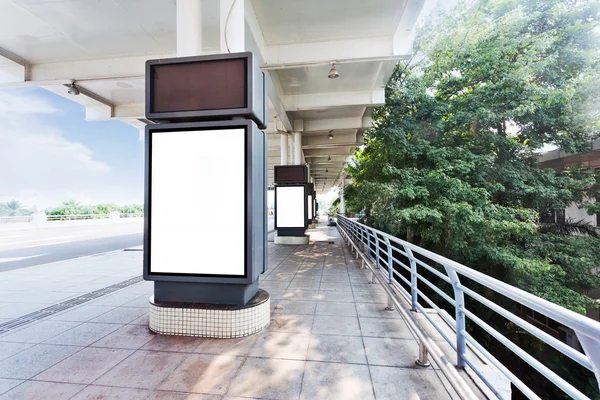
x: 26, y: 248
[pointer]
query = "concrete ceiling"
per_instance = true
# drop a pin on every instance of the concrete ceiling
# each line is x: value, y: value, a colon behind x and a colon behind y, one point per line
x: 103, y: 45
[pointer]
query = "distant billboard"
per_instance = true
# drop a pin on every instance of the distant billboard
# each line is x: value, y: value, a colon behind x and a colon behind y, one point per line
x: 286, y: 174
x: 290, y: 206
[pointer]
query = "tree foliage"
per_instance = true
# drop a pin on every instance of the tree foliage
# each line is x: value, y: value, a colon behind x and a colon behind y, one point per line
x: 451, y: 162
x: 14, y: 208
x: 71, y: 207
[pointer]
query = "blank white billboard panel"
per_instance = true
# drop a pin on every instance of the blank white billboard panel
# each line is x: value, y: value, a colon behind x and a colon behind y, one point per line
x: 310, y: 206
x: 197, y: 202
x: 289, y: 212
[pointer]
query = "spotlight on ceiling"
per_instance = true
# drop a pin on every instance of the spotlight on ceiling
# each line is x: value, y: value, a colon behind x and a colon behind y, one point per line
x: 330, y: 136
x: 329, y: 158
x: 73, y: 89
x: 333, y: 73
x: 326, y: 169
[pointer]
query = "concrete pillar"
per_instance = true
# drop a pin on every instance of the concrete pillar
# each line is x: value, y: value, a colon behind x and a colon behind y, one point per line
x: 232, y: 26
x: 39, y: 219
x: 342, y: 201
x: 297, y: 148
x: 308, y: 172
x: 189, y: 28
x: 284, y: 149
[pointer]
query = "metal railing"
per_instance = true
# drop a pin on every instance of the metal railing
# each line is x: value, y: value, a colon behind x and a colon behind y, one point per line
x: 72, y: 217
x: 77, y: 217
x: 15, y: 219
x: 382, y: 252
x: 90, y: 216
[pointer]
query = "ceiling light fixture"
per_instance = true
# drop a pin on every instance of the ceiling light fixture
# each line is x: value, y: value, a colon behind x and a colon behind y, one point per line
x: 330, y: 136
x: 326, y: 170
x: 73, y: 89
x: 333, y: 73
x: 329, y: 158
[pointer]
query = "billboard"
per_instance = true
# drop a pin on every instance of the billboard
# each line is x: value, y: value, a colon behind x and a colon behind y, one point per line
x: 290, y: 206
x: 197, y: 205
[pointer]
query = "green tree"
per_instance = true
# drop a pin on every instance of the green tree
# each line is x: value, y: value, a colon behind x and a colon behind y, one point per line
x: 14, y: 208
x: 451, y: 163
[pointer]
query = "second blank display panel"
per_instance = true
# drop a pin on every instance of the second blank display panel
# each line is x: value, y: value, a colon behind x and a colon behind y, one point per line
x: 290, y: 206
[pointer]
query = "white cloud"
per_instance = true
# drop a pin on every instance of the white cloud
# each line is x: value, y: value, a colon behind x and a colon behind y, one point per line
x: 38, y: 165
x: 14, y: 103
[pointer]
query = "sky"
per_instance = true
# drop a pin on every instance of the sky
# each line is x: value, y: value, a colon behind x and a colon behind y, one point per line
x: 49, y: 153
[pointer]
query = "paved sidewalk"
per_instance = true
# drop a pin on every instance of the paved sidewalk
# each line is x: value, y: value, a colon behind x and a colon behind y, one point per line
x: 329, y: 337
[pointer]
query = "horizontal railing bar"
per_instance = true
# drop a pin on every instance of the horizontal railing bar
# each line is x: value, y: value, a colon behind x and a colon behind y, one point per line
x: 435, y: 307
x: 577, y: 322
x: 493, y: 360
x: 403, y: 279
x: 434, y: 271
x: 449, y: 371
x: 538, y: 366
x: 581, y: 324
x: 484, y: 378
x: 406, y: 267
x: 403, y: 291
x: 437, y: 328
x: 535, y: 331
x: 437, y: 290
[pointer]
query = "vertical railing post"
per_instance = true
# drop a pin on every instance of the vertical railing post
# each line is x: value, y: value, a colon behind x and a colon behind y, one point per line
x: 390, y: 263
x: 377, y: 251
x: 413, y: 278
x: 368, y: 245
x: 459, y: 298
x: 389, y: 260
x: 362, y: 238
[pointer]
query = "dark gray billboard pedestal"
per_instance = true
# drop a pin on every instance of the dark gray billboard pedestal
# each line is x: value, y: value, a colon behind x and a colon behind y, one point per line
x: 206, y: 262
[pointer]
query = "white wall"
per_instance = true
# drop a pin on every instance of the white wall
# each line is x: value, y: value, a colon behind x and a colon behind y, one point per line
x: 578, y: 214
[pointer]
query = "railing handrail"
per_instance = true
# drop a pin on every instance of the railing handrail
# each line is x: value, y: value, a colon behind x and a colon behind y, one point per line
x: 587, y: 330
x: 567, y: 317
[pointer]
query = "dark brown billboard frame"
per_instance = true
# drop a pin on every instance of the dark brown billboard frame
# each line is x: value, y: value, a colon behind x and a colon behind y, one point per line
x: 202, y: 88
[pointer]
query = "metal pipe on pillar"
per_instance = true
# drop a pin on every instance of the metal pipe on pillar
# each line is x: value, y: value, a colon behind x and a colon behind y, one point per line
x: 232, y: 23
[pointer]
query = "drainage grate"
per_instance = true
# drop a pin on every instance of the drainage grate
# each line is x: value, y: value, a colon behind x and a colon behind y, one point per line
x: 65, y: 305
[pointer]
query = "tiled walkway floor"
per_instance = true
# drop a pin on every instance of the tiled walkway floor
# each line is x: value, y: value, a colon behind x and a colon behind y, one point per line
x: 329, y: 338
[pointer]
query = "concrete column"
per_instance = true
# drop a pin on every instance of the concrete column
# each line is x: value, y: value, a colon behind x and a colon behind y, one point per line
x: 39, y: 219
x: 342, y: 201
x: 284, y: 149
x: 308, y: 171
x: 297, y: 148
x: 232, y: 26
x: 189, y: 28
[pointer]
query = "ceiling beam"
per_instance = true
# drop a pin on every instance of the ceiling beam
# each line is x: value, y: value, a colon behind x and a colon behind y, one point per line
x: 403, y: 38
x: 299, y: 102
x: 316, y: 125
x: 111, y: 69
x: 323, y: 53
x: 13, y: 68
x: 96, y: 108
x: 128, y: 111
x: 256, y: 43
